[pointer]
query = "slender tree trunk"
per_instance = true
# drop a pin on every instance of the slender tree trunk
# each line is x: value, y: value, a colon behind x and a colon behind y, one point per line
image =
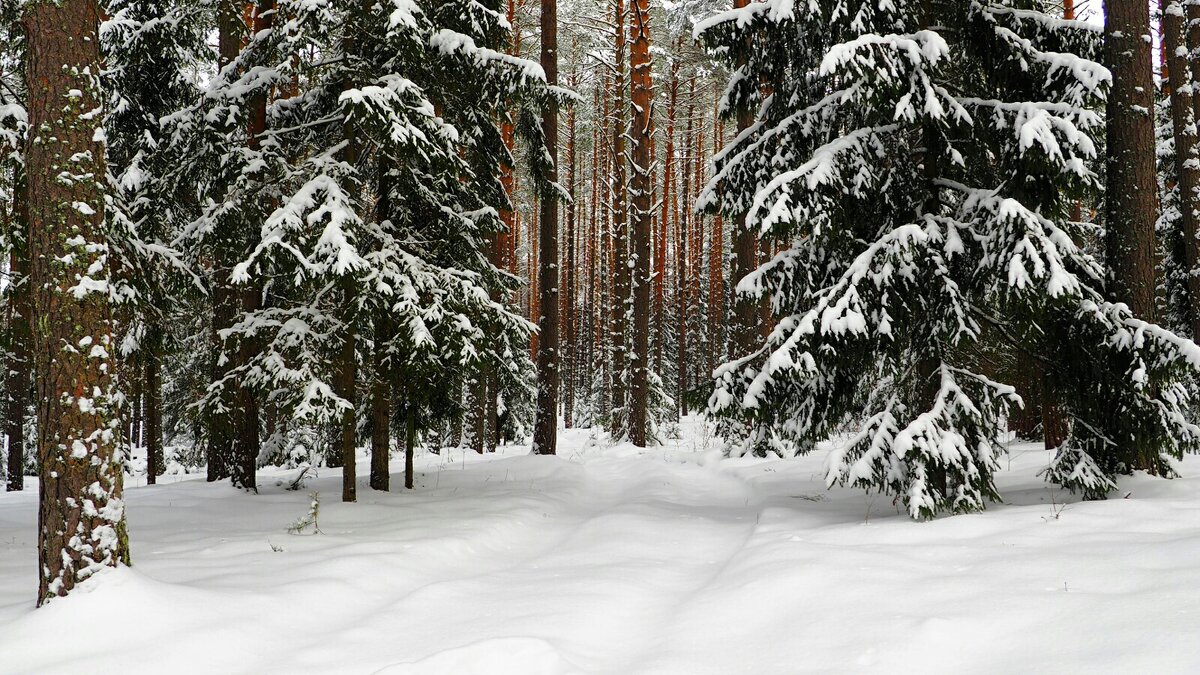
x: 606, y: 308
x: 501, y: 250
x: 410, y: 445
x: 567, y: 299
x: 696, y: 258
x: 641, y: 187
x: 81, y: 517
x: 620, y: 226
x: 535, y: 300
x: 716, y: 268
x: 20, y: 360
x: 545, y: 433
x: 381, y: 406
x: 683, y: 252
x: 1192, y: 33
x: 477, y: 392
x: 247, y: 443
x: 223, y: 426
x: 133, y: 371
x: 347, y: 369
x: 152, y: 403
x: 664, y: 220
x: 1187, y: 159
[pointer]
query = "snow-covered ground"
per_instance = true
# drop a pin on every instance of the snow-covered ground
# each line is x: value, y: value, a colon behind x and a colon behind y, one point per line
x: 610, y: 560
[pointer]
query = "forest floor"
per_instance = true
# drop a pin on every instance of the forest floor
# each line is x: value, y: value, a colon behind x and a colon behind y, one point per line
x: 613, y: 560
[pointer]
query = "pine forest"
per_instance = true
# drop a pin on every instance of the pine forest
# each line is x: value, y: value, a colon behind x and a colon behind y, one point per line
x: 599, y: 336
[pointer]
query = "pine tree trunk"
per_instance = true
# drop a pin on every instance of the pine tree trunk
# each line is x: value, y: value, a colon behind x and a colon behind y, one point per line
x: 20, y: 358
x: 683, y: 246
x: 696, y: 237
x: 501, y: 250
x: 344, y: 379
x: 152, y: 404
x: 535, y: 299
x: 567, y: 297
x: 1132, y: 186
x: 410, y: 445
x: 620, y: 228
x: 1187, y: 159
x: 477, y: 394
x: 606, y: 310
x: 132, y: 370
x: 716, y: 269
x: 664, y: 221
x: 247, y: 443
x: 222, y: 426
x: 545, y: 433
x: 347, y: 369
x: 641, y: 187
x: 381, y: 407
x: 1132, y: 191
x: 81, y: 518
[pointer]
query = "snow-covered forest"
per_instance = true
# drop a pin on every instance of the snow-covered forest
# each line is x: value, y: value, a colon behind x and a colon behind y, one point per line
x: 599, y: 336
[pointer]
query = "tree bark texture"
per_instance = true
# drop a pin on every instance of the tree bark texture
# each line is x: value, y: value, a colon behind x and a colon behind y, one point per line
x: 1187, y: 159
x: 545, y: 432
x: 81, y: 517
x: 1132, y: 190
x: 620, y: 230
x: 641, y: 188
x: 152, y: 403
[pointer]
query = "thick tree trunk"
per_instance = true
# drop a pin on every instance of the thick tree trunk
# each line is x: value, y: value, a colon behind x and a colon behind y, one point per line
x: 1132, y: 187
x: 81, y: 518
x: 1132, y: 191
x: 20, y: 364
x: 545, y: 432
x: 641, y: 187
x: 1187, y: 159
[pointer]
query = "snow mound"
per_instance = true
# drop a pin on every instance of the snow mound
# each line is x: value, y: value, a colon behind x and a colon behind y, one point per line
x: 499, y: 656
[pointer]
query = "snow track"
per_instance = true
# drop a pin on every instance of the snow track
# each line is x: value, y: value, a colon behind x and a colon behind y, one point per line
x: 611, y: 561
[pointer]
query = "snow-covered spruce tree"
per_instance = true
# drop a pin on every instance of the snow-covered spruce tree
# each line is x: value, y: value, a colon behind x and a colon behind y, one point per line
x: 152, y: 49
x: 380, y: 144
x: 918, y: 158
